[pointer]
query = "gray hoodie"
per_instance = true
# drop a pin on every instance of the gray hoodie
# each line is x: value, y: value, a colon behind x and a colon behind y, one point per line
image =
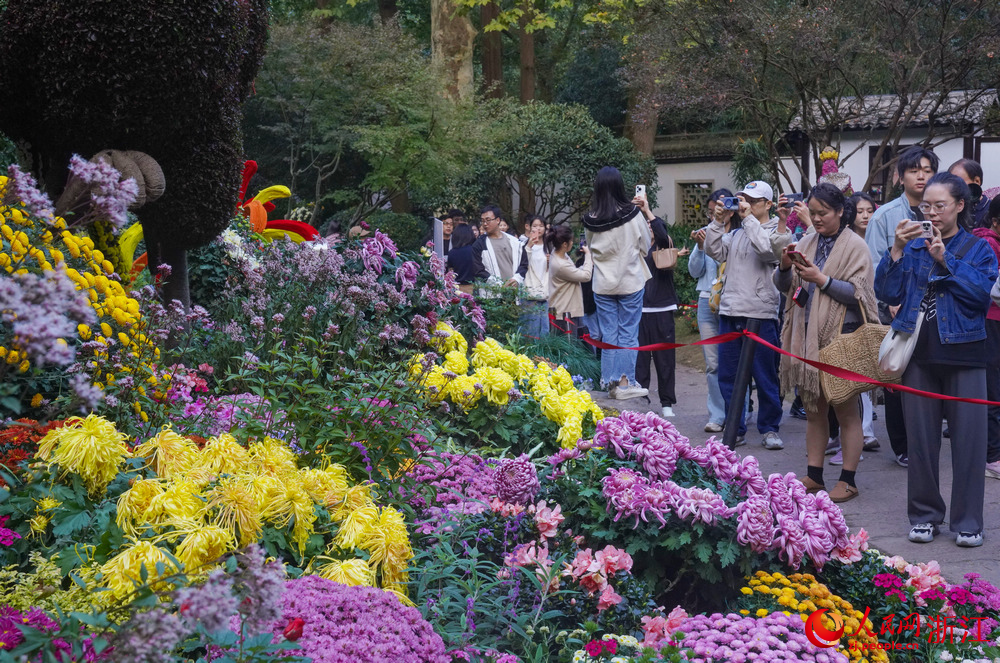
x: 751, y: 253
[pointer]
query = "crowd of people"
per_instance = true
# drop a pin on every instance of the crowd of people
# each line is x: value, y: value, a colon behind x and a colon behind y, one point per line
x: 802, y: 271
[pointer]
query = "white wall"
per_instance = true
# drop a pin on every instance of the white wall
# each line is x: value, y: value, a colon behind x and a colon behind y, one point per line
x: 669, y: 175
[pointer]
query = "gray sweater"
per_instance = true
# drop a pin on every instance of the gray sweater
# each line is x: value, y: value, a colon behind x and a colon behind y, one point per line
x: 751, y: 254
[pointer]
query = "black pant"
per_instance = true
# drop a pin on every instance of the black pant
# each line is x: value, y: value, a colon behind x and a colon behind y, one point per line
x: 993, y: 390
x: 895, y: 422
x: 657, y: 328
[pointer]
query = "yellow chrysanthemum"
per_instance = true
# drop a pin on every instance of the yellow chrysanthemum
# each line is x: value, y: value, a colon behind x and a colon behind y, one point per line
x: 123, y: 572
x: 496, y: 384
x: 355, y: 525
x: 237, y: 510
x: 353, y: 572
x: 273, y: 457
x: 134, y: 502
x: 48, y: 504
x: 204, y: 544
x: 38, y: 524
x: 92, y: 448
x: 456, y: 362
x: 355, y: 498
x: 292, y: 502
x: 168, y: 453
x: 224, y: 455
x: 180, y: 500
x: 327, y: 487
x: 388, y: 545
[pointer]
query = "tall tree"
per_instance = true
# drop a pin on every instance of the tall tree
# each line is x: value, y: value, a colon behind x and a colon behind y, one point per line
x: 815, y: 67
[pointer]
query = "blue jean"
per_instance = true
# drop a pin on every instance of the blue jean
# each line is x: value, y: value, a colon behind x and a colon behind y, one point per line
x: 708, y: 326
x: 764, y: 371
x: 534, y: 318
x: 619, y: 317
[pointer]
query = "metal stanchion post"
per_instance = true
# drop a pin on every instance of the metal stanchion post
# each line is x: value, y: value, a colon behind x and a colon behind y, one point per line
x: 743, y: 371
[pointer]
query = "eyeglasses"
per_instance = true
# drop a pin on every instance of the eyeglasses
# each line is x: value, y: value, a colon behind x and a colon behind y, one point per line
x: 937, y: 207
x: 487, y: 219
x: 754, y: 201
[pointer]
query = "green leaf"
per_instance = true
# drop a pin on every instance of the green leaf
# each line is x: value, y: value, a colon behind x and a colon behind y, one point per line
x: 72, y: 524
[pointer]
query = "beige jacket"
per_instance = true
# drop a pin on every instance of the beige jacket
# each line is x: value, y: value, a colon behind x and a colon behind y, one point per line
x: 565, y: 292
x: 619, y: 257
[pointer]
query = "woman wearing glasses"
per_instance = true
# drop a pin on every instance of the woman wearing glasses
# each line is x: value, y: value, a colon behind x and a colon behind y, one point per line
x: 942, y: 284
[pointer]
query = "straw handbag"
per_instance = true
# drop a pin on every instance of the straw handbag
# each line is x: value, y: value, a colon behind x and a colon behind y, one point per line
x: 858, y: 352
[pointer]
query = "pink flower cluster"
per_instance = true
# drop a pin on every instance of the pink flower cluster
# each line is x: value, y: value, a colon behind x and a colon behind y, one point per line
x: 593, y: 570
x: 343, y: 624
x: 659, y: 630
x: 373, y: 249
x: 7, y: 536
x: 852, y: 552
x: 734, y: 638
x: 776, y: 514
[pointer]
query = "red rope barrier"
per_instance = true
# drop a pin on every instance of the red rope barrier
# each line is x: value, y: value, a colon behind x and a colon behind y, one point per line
x: 836, y: 371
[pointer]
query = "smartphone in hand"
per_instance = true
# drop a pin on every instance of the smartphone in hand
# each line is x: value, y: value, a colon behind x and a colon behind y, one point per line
x: 640, y: 190
x: 798, y: 258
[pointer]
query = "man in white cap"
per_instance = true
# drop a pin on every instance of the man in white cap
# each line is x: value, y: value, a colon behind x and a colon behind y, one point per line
x: 751, y: 251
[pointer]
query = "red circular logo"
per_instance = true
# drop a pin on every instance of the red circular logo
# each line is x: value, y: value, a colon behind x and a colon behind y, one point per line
x: 819, y: 635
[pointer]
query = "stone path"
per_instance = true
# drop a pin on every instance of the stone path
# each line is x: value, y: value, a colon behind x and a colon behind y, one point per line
x: 881, y: 506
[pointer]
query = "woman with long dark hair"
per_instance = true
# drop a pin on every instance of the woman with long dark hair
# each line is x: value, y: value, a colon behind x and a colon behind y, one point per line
x: 827, y: 276
x: 942, y: 284
x: 619, y: 240
x: 535, y: 316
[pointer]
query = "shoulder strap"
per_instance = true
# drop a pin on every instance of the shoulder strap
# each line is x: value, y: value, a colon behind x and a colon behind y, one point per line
x: 970, y: 241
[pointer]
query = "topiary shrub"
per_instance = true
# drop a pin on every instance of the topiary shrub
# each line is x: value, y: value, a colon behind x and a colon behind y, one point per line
x: 164, y: 78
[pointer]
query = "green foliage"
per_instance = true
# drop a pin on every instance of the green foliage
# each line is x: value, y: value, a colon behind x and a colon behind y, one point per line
x: 354, y: 116
x: 162, y: 78
x: 406, y: 230
x: 558, y: 150
x: 752, y: 161
x: 8, y: 150
x: 592, y: 80
x: 502, y: 311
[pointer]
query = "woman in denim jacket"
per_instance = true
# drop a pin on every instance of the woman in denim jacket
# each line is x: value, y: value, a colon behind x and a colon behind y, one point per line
x: 947, y: 277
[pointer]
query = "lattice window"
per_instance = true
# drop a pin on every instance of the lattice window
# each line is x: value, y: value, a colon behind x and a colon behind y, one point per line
x: 694, y: 197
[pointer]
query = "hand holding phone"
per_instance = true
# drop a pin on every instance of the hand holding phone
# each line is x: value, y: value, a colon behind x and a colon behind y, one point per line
x: 926, y: 229
x: 791, y: 199
x: 798, y: 259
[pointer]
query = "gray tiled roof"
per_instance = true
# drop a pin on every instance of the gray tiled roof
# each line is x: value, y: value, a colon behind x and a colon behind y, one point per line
x: 875, y: 111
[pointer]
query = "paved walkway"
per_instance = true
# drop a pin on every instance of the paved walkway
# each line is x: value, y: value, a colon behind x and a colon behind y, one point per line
x: 881, y: 506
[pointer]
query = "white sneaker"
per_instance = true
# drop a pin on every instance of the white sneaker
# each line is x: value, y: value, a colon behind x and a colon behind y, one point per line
x: 712, y: 427
x: 625, y: 393
x: 969, y: 539
x: 993, y: 469
x: 838, y: 458
x: 667, y: 411
x: 832, y: 445
x: 772, y: 441
x: 922, y: 533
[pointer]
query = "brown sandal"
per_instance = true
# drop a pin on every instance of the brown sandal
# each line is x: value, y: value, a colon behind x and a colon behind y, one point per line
x: 843, y: 492
x: 812, y: 486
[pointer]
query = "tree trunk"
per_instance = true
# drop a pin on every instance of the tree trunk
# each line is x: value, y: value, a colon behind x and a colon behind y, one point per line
x: 492, y: 53
x: 527, y: 61
x: 174, y: 286
x: 640, y: 122
x: 452, y: 40
x: 400, y: 202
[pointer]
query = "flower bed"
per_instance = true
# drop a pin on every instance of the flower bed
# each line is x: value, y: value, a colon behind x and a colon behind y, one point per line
x: 330, y: 463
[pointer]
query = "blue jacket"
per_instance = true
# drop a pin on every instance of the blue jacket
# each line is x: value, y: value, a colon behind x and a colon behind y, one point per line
x: 703, y: 268
x: 963, y: 287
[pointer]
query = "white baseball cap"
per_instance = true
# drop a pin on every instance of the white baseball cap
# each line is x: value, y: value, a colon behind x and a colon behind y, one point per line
x: 758, y: 189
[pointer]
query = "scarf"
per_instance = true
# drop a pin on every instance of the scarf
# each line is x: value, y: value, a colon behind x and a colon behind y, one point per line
x: 848, y: 260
